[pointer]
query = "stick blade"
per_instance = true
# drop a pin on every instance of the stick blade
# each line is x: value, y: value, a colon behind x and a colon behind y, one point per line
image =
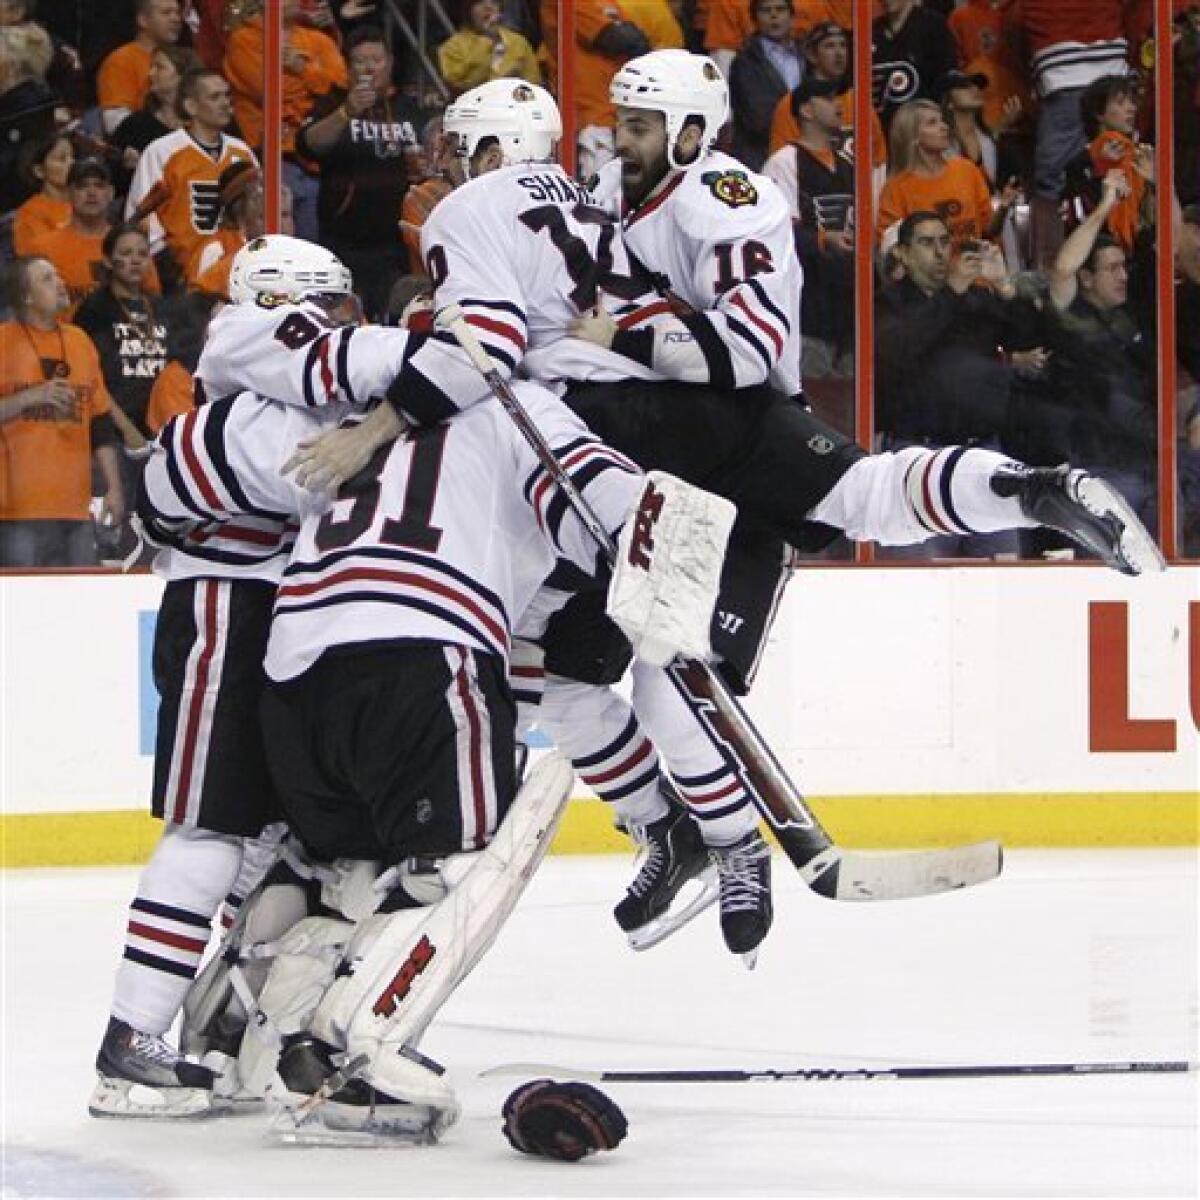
x: 866, y: 878
x: 536, y: 1070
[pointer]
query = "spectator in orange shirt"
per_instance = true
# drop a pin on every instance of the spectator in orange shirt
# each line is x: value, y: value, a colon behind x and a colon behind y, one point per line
x: 827, y: 52
x: 607, y: 34
x: 47, y: 166
x: 312, y: 65
x: 175, y: 187
x: 422, y: 198
x: 54, y: 423
x: 124, y: 77
x: 76, y: 248
x: 922, y: 176
x: 731, y: 22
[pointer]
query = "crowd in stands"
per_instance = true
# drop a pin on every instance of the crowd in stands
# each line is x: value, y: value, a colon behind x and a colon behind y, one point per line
x: 1014, y: 199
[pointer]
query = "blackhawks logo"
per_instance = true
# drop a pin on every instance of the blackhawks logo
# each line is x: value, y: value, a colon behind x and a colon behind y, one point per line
x: 731, y: 187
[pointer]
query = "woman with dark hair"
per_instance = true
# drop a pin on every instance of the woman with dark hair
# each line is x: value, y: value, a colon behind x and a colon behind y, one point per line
x: 159, y: 115
x: 45, y: 166
x: 129, y: 328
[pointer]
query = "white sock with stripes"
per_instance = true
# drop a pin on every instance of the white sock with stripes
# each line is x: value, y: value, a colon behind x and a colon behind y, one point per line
x: 596, y: 729
x: 170, y: 919
x: 964, y: 475
x: 704, y: 773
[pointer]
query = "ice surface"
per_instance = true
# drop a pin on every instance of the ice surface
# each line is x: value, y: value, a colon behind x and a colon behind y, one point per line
x: 1071, y: 956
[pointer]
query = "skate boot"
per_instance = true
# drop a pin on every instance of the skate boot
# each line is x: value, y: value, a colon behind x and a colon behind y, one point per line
x: 744, y: 869
x: 1085, y: 508
x: 325, y: 1104
x: 673, y: 853
x: 142, y: 1076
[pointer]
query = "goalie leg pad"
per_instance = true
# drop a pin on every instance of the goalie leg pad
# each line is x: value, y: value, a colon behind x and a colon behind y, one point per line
x: 667, y: 574
x: 307, y: 959
x: 406, y: 964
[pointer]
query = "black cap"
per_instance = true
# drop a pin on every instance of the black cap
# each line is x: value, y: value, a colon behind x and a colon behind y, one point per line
x: 88, y: 168
x: 822, y: 30
x: 809, y: 87
x: 958, y: 79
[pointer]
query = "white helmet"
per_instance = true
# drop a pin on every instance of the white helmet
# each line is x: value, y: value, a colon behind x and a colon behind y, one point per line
x: 679, y: 85
x: 522, y: 116
x: 283, y: 269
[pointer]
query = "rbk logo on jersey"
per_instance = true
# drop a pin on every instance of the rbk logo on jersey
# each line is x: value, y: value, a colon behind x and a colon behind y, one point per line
x: 206, y: 205
x: 641, y: 545
x: 411, y: 969
x: 731, y: 187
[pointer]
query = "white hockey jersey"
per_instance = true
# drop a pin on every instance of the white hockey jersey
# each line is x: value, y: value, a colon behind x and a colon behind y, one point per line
x: 296, y: 354
x: 719, y: 238
x: 446, y: 536
x: 523, y: 251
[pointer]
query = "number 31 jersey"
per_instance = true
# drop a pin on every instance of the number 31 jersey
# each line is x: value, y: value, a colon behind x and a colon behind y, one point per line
x: 445, y: 536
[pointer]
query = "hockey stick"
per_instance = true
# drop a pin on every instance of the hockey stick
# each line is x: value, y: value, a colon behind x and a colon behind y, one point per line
x: 829, y: 871
x: 839, y: 1075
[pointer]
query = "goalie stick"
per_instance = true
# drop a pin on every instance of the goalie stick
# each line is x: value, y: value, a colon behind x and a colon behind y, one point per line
x: 829, y: 871
x: 839, y: 1075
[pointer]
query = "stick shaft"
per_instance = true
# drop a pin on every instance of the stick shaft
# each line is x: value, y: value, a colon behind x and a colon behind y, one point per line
x: 776, y: 797
x: 841, y: 1075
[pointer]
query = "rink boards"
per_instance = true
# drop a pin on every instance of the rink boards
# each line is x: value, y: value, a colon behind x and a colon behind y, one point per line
x: 1048, y: 705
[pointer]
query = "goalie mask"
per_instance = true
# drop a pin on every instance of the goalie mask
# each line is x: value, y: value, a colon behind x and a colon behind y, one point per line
x: 522, y: 117
x: 679, y: 85
x: 276, y: 269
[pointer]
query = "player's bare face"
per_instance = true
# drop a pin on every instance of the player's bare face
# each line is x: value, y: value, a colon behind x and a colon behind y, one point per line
x: 641, y: 143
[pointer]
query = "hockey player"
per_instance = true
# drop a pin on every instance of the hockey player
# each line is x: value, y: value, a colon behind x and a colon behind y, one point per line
x: 389, y: 721
x: 211, y: 784
x: 518, y: 246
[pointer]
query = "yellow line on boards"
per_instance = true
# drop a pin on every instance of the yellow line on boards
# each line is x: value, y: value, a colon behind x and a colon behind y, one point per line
x: 864, y: 822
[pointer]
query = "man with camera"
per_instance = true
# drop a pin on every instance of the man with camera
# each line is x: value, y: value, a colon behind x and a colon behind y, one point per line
x: 367, y: 143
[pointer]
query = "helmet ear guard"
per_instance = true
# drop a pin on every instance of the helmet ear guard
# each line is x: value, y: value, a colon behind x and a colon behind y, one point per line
x: 279, y: 269
x: 680, y: 85
x: 522, y: 117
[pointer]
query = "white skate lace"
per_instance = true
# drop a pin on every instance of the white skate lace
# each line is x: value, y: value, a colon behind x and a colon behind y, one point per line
x: 650, y: 870
x: 149, y: 1045
x: 741, y: 882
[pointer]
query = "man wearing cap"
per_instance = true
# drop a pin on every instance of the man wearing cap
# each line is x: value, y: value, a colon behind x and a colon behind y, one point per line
x: 75, y: 248
x: 827, y: 57
x: 818, y: 182
x: 768, y: 66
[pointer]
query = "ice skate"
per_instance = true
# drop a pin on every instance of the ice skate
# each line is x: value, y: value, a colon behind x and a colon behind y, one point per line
x: 1088, y: 510
x: 744, y: 869
x: 673, y: 855
x: 141, y: 1076
x: 328, y: 1099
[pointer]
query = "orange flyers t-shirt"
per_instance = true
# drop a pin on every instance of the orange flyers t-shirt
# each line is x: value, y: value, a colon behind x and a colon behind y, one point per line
x: 324, y: 70
x: 171, y: 395
x: 124, y: 77
x: 45, y: 456
x: 39, y: 214
x: 959, y: 194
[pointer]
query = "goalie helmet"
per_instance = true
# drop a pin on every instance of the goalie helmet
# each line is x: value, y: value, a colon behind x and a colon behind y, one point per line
x: 522, y: 117
x: 280, y: 269
x: 679, y: 85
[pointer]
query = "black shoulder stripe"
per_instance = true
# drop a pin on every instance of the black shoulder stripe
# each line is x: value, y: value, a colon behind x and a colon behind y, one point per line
x: 214, y: 445
x: 760, y: 293
x: 170, y: 439
x: 743, y: 331
x: 343, y: 365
